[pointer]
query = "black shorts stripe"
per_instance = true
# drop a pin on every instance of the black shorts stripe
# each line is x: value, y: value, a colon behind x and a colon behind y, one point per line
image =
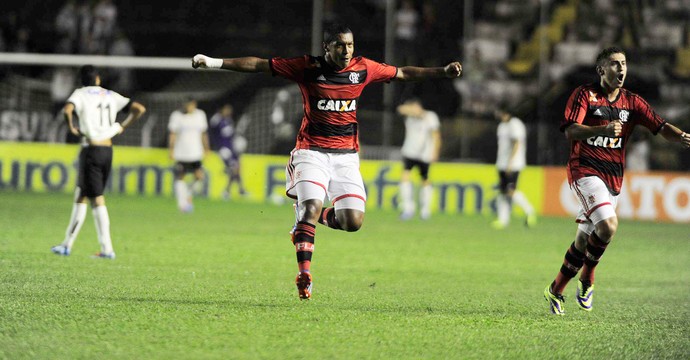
x: 327, y: 130
x: 602, y: 166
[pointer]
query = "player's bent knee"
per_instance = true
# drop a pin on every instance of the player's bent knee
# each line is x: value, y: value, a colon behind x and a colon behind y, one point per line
x: 352, y: 220
x: 310, y: 210
x: 607, y: 228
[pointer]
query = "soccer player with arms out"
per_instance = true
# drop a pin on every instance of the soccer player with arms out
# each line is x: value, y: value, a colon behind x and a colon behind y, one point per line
x: 325, y: 160
x: 599, y: 119
x: 96, y: 108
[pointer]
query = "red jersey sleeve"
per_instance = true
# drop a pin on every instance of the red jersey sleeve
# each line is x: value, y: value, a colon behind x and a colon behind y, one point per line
x: 646, y: 116
x: 576, y: 109
x: 379, y: 72
x: 292, y: 68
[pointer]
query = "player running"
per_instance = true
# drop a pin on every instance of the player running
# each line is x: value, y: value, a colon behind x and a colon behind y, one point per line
x: 96, y: 108
x: 325, y: 160
x: 599, y: 119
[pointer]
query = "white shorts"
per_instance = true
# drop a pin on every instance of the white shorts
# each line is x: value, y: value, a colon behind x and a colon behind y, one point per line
x: 596, y: 202
x: 313, y: 175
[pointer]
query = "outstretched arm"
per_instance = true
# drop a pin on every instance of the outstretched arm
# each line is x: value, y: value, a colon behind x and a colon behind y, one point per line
x: 249, y: 64
x: 415, y: 73
x: 674, y: 134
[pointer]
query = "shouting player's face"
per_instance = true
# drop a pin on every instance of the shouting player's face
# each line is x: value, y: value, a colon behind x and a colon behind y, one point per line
x: 340, y: 51
x: 613, y: 71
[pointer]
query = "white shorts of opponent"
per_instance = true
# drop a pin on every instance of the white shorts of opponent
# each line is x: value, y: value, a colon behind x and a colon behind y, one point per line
x: 313, y: 175
x: 596, y: 202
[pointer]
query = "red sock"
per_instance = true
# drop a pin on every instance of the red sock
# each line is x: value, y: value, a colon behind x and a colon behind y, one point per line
x: 328, y: 218
x: 303, y: 238
x: 595, y: 249
x: 571, y: 265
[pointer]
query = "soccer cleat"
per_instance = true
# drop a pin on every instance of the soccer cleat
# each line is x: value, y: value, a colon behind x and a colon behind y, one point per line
x: 406, y: 215
x: 498, y: 225
x: 585, y: 295
x: 531, y: 221
x: 555, y: 301
x: 110, y: 256
x: 60, y: 250
x: 303, y: 282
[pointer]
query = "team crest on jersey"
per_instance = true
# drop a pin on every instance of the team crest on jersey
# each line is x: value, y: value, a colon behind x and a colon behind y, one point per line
x: 337, y: 105
x: 623, y: 115
x: 606, y: 142
x: 354, y: 77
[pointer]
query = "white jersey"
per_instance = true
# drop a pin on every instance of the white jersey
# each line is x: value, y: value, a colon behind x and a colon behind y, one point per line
x: 419, y: 139
x: 188, y: 128
x: 509, y: 132
x: 97, y: 110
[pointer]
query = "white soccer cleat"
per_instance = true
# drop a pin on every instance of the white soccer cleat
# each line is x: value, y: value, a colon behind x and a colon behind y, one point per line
x: 60, y: 250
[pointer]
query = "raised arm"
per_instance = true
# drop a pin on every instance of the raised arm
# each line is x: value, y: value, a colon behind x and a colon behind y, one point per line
x: 673, y: 134
x: 415, y: 73
x: 250, y: 64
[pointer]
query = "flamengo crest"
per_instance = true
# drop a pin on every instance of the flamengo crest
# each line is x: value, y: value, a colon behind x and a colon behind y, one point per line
x: 354, y: 77
x: 624, y: 114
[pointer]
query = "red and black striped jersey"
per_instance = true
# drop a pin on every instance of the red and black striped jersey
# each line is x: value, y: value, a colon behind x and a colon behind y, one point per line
x: 604, y: 156
x: 330, y: 98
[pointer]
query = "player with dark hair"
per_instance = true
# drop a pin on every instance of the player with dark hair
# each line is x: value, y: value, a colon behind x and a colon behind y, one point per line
x: 599, y: 120
x: 325, y: 160
x: 96, y: 108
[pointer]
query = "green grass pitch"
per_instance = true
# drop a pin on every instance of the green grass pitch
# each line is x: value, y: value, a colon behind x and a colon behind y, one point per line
x: 219, y: 284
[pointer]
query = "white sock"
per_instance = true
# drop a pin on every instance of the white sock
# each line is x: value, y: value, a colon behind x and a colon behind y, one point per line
x: 407, y: 197
x: 181, y: 194
x: 425, y: 194
x: 503, y: 209
x: 76, y: 220
x: 102, y: 221
x: 197, y: 187
x: 521, y: 200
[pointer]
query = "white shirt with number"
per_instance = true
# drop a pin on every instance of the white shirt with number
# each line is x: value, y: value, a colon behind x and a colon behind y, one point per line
x: 419, y: 139
x: 188, y: 128
x: 97, y: 110
x: 509, y: 132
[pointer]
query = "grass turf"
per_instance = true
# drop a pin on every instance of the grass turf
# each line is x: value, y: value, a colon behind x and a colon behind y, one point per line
x: 219, y: 283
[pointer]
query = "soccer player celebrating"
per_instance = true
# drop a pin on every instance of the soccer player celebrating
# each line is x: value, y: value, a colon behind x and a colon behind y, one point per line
x: 325, y: 160
x: 599, y: 119
x: 96, y: 108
